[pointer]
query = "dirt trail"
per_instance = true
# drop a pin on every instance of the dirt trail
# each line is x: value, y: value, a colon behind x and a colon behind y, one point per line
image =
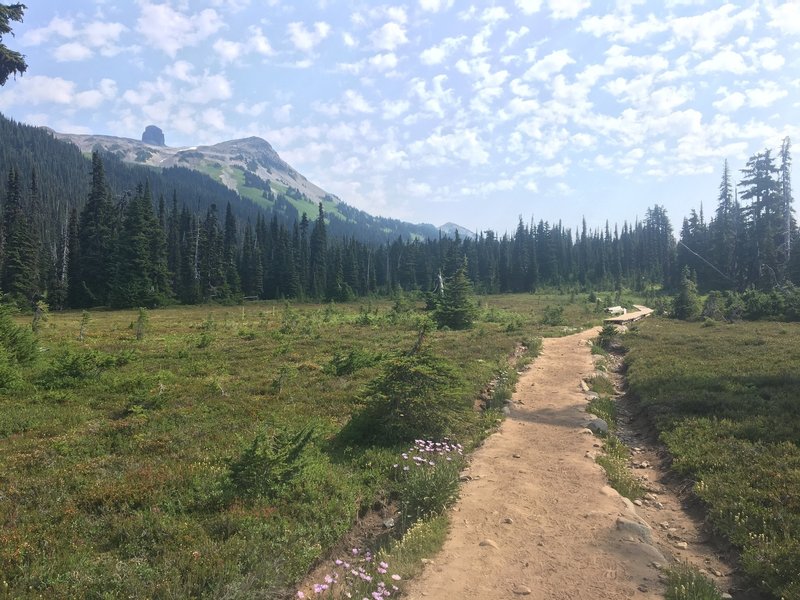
x: 537, y: 519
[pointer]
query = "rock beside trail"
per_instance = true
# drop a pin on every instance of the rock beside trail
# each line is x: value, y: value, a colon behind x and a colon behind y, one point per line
x: 635, y: 529
x: 598, y: 426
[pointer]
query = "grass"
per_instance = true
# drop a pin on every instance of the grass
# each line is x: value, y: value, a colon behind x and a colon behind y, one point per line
x: 687, y: 583
x: 615, y: 459
x: 128, y: 467
x: 725, y: 401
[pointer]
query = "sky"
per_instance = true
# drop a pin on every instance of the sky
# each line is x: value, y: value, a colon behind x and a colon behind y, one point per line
x: 436, y: 110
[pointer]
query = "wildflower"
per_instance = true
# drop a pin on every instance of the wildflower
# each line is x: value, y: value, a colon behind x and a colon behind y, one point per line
x: 300, y: 595
x: 383, y: 565
x: 355, y: 551
x: 338, y: 562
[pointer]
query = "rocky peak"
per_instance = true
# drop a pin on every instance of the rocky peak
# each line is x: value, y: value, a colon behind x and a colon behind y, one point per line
x: 153, y: 135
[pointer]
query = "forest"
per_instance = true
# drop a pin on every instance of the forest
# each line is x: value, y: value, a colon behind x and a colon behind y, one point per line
x: 179, y: 237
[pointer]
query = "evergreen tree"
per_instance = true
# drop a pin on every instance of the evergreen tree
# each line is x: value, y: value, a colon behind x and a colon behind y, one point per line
x: 20, y: 260
x: 687, y: 303
x: 318, y: 256
x: 11, y: 62
x: 456, y: 307
x: 96, y: 240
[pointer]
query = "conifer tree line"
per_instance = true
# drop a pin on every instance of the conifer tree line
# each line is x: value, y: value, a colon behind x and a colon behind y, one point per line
x: 134, y: 250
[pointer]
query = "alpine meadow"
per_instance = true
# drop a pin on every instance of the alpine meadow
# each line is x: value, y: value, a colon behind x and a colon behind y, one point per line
x: 238, y: 361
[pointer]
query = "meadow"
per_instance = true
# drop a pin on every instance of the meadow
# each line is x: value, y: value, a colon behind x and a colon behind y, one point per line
x: 725, y: 400
x: 221, y: 451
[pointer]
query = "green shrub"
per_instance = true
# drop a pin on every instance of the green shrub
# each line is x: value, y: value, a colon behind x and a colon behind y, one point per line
x: 352, y: 361
x: 414, y: 396
x: 608, y: 336
x: 70, y: 367
x: 553, y: 315
x: 19, y: 342
x: 684, y: 582
x: 456, y: 307
x: 428, y: 480
x: 273, y: 459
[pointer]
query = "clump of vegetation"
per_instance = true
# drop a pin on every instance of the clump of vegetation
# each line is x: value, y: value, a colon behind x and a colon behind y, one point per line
x: 687, y: 303
x: 616, y: 454
x: 553, y: 315
x: 608, y: 337
x: 687, y: 583
x: 724, y: 399
x: 415, y: 395
x: 427, y: 476
x: 456, y: 308
x: 274, y: 458
x: 352, y: 361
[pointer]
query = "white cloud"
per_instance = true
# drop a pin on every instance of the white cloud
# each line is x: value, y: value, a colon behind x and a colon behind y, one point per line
x: 435, y: 5
x: 384, y: 62
x: 38, y: 89
x: 785, y: 17
x: 435, y: 99
x: 437, y: 54
x: 254, y: 110
x: 549, y: 65
x: 529, y: 7
x: 170, y: 31
x: 72, y: 51
x: 209, y: 89
x: 306, y: 40
x: 461, y: 146
x: 283, y: 113
x: 389, y: 36
x: 703, y: 31
x: 494, y: 15
x: 771, y: 61
x: 568, y: 9
x: 258, y: 42
x: 767, y: 94
x: 730, y: 101
x: 393, y: 109
x: 723, y: 61
x: 227, y: 50
x: 56, y: 27
x: 181, y: 70
x: 355, y: 102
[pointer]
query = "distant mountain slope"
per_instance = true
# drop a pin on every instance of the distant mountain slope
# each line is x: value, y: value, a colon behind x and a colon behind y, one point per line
x: 253, y: 169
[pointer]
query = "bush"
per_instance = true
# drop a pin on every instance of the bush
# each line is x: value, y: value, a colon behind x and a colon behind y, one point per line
x: 412, y: 397
x: 355, y: 360
x: 428, y: 479
x: 456, y: 308
x: 18, y: 342
x: 553, y: 315
x: 274, y: 458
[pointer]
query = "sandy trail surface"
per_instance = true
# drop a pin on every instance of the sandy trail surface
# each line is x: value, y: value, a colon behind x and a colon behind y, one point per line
x: 537, y: 518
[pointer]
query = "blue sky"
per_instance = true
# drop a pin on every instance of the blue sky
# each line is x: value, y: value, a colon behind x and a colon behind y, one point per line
x: 436, y: 110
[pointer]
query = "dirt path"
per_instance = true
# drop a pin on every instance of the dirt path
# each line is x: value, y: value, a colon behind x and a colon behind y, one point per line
x: 537, y: 518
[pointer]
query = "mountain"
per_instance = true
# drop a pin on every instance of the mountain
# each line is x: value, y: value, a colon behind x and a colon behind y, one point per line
x: 254, y: 170
x: 450, y: 230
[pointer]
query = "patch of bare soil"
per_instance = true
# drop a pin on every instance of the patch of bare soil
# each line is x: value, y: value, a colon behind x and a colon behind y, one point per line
x: 536, y: 517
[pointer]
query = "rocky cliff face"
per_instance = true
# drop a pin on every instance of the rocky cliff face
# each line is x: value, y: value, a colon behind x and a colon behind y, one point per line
x: 153, y: 136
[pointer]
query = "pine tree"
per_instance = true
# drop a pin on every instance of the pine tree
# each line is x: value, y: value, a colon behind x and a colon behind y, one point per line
x: 318, y: 256
x: 456, y: 308
x: 11, y: 62
x: 20, y: 260
x: 96, y: 241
